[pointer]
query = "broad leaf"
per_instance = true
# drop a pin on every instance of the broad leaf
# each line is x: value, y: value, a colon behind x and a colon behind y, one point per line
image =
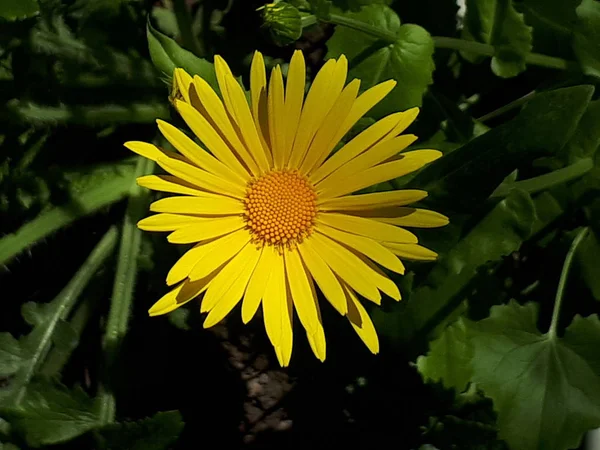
x: 49, y: 413
x: 500, y: 233
x: 408, y: 59
x: 154, y: 433
x: 586, y: 42
x: 167, y: 55
x: 546, y: 390
x: 449, y: 358
x: 586, y: 139
x: 461, y: 180
x: 497, y: 23
x: 19, y: 9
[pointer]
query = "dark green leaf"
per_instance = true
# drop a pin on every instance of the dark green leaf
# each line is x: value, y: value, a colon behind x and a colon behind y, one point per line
x: 49, y: 413
x: 167, y: 55
x: 497, y: 23
x: 155, y: 433
x: 11, y: 355
x: 18, y: 9
x: 587, y: 258
x: 449, y: 358
x: 284, y: 22
x: 586, y: 139
x: 467, y: 176
x: 586, y: 42
x: 408, y: 59
x: 500, y: 233
x: 546, y: 390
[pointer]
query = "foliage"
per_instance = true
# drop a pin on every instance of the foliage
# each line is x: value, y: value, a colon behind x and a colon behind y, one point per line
x: 477, y: 354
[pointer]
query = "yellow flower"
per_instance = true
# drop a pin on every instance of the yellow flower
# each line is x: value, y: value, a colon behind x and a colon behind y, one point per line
x: 271, y: 209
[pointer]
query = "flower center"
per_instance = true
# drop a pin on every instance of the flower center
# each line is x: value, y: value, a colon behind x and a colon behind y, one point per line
x: 280, y: 207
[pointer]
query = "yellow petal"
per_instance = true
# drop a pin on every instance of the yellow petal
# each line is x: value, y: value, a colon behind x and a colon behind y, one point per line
x: 411, y: 251
x: 323, y: 143
x: 368, y: 228
x: 214, y: 205
x: 197, y: 154
x: 202, y: 178
x: 166, y: 222
x: 379, y: 174
x: 363, y: 104
x: 345, y: 264
x: 372, y: 201
x: 235, y: 288
x: 168, y: 183
x: 294, y: 96
x: 361, y: 322
x: 210, y: 137
x: 319, y: 100
x: 304, y: 300
x: 356, y: 146
x: 408, y: 117
x: 258, y: 282
x: 277, y: 312
x: 204, y: 229
x: 216, y: 112
x: 415, y: 217
x: 258, y: 91
x: 149, y: 151
x: 381, y: 280
x: 180, y: 295
x: 184, y: 265
x: 366, y: 246
x: 325, y: 278
x: 181, y: 84
x: 219, y: 252
x: 375, y: 155
x: 277, y: 117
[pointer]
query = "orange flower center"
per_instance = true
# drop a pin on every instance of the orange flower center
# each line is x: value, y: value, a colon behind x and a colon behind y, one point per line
x: 280, y: 207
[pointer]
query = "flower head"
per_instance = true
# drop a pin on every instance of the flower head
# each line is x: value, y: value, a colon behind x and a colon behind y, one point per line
x: 273, y: 211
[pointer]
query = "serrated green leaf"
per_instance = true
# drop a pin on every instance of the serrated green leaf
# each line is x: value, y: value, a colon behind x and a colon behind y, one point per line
x: 49, y: 413
x: 449, y: 358
x: 19, y: 9
x: 586, y: 42
x: 464, y: 178
x: 154, y: 433
x: 167, y: 55
x: 501, y: 232
x: 91, y: 189
x: 497, y: 23
x: 546, y: 390
x: 408, y: 60
x: 11, y: 355
x: 36, y: 313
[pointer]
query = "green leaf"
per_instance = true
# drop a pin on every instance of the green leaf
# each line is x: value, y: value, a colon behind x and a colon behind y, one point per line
x: 90, y: 190
x: 546, y: 390
x: 499, y: 233
x: 586, y: 42
x: 11, y: 355
x: 283, y: 21
x: 449, y: 358
x: 49, y: 413
x: 586, y: 139
x: 587, y: 259
x: 408, y: 59
x: 19, y: 9
x: 497, y: 23
x: 167, y: 55
x: 463, y: 179
x: 154, y: 433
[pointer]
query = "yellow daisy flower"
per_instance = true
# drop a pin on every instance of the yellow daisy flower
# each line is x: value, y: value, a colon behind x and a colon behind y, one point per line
x: 271, y: 209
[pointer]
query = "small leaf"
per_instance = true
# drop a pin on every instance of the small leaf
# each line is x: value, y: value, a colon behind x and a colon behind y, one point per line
x: 167, y: 55
x: 19, y: 9
x: 449, y: 358
x: 546, y: 390
x: 154, y: 433
x: 497, y: 23
x: 586, y: 42
x: 408, y: 59
x: 49, y: 413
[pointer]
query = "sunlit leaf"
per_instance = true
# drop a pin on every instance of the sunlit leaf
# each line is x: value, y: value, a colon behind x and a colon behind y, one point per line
x: 19, y: 9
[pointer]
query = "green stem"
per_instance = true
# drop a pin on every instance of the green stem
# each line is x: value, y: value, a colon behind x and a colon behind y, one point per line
x: 184, y: 23
x: 503, y: 109
x: 122, y: 295
x: 439, y: 41
x: 64, y: 302
x: 563, y: 282
x: 548, y: 180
